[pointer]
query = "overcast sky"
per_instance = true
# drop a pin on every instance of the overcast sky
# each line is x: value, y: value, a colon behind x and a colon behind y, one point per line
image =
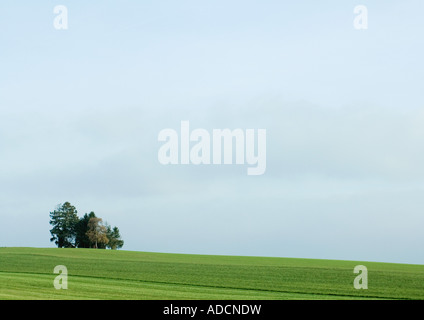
x: 81, y: 109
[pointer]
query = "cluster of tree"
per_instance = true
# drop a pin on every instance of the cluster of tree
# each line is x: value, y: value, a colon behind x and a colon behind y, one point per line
x: 70, y: 231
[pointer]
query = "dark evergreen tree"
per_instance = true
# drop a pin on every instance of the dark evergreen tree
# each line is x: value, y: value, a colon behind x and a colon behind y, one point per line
x: 115, y: 241
x: 64, y: 220
x: 82, y: 240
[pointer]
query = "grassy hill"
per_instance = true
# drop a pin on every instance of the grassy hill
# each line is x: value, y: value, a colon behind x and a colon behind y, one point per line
x: 27, y: 273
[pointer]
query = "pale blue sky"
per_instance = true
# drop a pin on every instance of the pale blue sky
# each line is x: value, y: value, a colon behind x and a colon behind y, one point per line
x: 80, y: 110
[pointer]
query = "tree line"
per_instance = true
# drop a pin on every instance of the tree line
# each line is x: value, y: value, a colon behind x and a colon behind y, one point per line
x: 89, y: 231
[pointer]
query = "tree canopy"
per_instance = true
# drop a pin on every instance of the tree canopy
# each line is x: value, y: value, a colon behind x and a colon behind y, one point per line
x: 82, y: 240
x: 89, y: 231
x: 114, y: 237
x: 64, y: 219
x: 97, y: 232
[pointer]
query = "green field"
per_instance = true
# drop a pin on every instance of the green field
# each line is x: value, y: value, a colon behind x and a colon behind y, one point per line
x: 27, y: 273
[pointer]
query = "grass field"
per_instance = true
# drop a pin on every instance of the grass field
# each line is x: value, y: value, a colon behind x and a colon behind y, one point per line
x: 27, y: 273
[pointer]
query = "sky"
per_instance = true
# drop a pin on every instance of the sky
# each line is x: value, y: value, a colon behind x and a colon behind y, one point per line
x: 343, y: 110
